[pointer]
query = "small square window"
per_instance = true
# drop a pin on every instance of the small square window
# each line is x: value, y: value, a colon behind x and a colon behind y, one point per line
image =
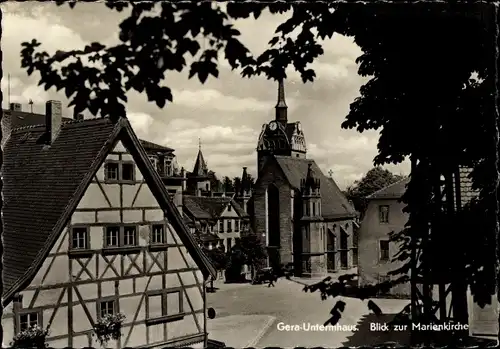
x: 111, y: 171
x: 112, y: 236
x: 157, y: 234
x: 129, y: 236
x: 128, y: 172
x: 28, y: 320
x: 79, y: 238
x: 107, y: 308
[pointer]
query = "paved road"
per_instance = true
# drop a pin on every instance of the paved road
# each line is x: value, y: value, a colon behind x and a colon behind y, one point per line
x: 289, y: 305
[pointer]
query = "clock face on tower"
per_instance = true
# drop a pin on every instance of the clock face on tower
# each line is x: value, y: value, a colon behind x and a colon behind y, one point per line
x: 273, y: 126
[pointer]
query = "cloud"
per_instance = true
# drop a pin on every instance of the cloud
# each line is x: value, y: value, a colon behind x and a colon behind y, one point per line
x: 225, y: 113
x: 141, y: 123
x: 213, y: 99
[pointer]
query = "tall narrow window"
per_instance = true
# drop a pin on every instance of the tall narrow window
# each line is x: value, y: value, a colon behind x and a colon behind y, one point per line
x: 79, y: 239
x: 111, y: 171
x: 128, y: 172
x: 112, y: 238
x: 129, y: 236
x: 229, y: 226
x: 384, y: 250
x: 221, y: 226
x: 383, y: 213
x: 229, y: 208
x: 168, y: 168
x: 157, y: 234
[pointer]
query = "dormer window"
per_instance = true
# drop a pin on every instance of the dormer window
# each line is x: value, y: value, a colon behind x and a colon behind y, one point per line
x: 168, y: 168
x: 154, y: 161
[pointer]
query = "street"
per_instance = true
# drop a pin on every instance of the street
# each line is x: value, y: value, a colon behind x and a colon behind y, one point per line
x: 255, y: 316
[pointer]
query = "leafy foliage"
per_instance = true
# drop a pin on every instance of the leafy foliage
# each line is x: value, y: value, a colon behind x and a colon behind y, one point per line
x: 253, y: 250
x: 33, y: 337
x: 374, y: 180
x: 422, y: 94
x: 217, y: 256
x: 109, y: 327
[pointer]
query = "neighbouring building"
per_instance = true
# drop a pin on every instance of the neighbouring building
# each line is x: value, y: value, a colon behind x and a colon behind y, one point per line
x: 384, y: 214
x: 165, y: 163
x: 198, y: 181
x: 301, y: 214
x: 221, y: 216
x: 89, y: 230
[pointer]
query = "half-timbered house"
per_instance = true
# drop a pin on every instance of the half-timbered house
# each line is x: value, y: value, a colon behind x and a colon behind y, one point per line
x: 221, y: 217
x: 89, y: 230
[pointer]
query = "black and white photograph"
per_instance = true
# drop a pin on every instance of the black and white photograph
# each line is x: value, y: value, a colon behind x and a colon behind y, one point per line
x: 249, y: 174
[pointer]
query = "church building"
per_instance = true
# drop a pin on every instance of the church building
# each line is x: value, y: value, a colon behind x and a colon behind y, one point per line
x: 301, y: 214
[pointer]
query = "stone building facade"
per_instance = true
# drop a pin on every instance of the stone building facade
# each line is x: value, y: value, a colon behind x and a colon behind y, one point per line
x: 302, y: 215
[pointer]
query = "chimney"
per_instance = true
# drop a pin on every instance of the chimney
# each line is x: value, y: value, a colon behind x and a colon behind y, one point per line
x: 53, y: 119
x: 16, y: 107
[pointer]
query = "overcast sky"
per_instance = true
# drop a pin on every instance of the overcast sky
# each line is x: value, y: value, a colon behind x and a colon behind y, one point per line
x: 226, y: 113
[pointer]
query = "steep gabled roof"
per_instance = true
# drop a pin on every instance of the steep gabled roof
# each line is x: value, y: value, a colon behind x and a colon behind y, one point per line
x: 153, y: 146
x: 206, y: 207
x: 392, y: 191
x: 334, y: 204
x: 43, y: 185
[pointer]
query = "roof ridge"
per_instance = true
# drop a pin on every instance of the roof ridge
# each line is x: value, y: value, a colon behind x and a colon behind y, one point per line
x: 64, y: 123
x: 387, y: 187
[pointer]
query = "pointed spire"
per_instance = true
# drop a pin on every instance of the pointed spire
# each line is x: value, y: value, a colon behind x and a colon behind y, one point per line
x: 246, y: 185
x: 310, y: 183
x: 281, y: 107
x: 200, y: 166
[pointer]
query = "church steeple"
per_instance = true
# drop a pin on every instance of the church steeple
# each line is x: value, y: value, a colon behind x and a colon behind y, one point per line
x: 200, y: 166
x: 281, y: 107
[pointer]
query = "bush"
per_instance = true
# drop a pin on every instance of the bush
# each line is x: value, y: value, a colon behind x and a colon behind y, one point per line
x: 109, y: 327
x: 33, y: 337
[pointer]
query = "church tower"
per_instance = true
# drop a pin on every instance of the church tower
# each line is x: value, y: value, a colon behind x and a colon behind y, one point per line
x: 245, y: 191
x: 199, y: 180
x: 279, y: 137
x: 313, y: 251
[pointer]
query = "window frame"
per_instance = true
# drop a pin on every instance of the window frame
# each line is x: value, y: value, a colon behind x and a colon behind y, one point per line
x: 134, y: 170
x: 119, y: 179
x: 27, y: 312
x: 106, y: 245
x: 112, y: 299
x: 221, y: 226
x: 386, y: 219
x: 73, y: 251
x: 152, y: 234
x: 380, y: 250
x: 121, y: 247
x: 229, y: 226
x: 165, y: 318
